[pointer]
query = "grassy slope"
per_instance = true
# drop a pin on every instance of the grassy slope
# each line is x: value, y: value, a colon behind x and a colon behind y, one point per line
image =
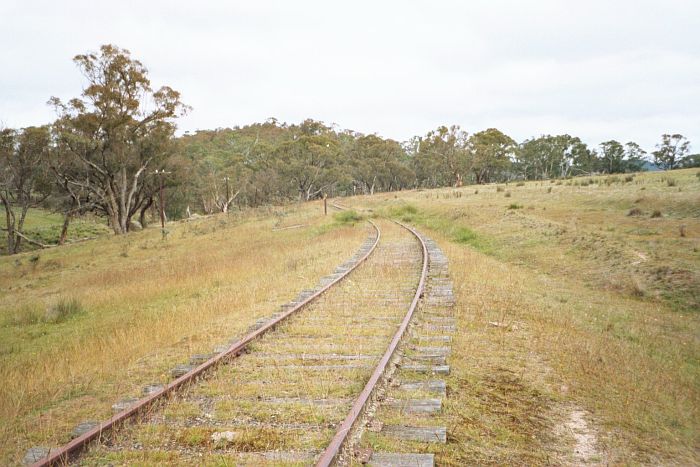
x: 45, y: 227
x: 144, y: 306
x: 598, y: 313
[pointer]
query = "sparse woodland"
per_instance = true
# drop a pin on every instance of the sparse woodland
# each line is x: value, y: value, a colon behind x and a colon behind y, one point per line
x: 112, y: 148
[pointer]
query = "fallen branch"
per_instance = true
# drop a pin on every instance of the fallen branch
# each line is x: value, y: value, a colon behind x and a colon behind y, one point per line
x: 32, y: 241
x: 296, y: 226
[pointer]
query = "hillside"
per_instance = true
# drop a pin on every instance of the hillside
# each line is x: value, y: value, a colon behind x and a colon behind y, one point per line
x: 577, y: 306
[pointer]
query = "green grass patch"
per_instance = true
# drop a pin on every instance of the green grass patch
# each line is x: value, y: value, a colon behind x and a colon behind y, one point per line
x: 34, y: 313
x: 441, y: 223
x: 45, y: 227
x: 347, y: 217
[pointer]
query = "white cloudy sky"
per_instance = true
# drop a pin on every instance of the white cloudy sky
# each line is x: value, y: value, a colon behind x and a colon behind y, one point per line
x: 623, y: 69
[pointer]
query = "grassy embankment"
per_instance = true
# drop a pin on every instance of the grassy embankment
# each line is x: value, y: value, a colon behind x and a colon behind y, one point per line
x: 84, y: 325
x: 577, y: 314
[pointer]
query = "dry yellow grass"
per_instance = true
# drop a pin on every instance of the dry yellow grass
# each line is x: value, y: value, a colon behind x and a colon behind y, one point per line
x: 596, y: 311
x: 288, y: 393
x: 147, y: 305
x: 597, y: 314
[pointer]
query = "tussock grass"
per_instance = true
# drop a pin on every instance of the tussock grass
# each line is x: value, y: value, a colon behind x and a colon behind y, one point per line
x: 347, y: 217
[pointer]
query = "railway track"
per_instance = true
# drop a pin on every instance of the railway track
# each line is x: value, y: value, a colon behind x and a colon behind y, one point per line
x: 306, y: 381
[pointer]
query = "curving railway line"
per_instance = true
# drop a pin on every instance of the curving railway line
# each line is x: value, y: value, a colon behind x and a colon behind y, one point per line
x: 305, y: 383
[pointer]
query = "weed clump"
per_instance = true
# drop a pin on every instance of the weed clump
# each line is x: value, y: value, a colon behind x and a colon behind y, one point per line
x: 635, y: 212
x: 347, y: 217
x: 507, y: 195
x: 63, y: 310
x: 520, y: 184
x: 34, y: 313
x: 656, y: 214
x: 405, y: 212
x: 515, y: 206
x: 671, y: 182
x: 464, y: 235
x: 499, y: 189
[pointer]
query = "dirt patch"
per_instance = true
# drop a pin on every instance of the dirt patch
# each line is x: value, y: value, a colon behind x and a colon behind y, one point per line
x: 579, y: 433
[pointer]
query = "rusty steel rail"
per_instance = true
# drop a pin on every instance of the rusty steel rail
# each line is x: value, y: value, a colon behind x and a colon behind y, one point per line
x: 333, y: 450
x: 62, y: 455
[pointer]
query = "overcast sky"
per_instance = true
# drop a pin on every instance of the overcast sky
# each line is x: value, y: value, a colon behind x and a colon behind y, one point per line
x: 622, y: 69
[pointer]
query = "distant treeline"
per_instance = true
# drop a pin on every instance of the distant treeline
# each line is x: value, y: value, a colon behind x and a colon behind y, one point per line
x: 111, y: 150
x: 273, y: 161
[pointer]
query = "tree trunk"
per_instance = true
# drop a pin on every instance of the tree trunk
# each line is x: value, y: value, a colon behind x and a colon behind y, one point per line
x: 142, y: 214
x: 10, y: 224
x: 64, y: 229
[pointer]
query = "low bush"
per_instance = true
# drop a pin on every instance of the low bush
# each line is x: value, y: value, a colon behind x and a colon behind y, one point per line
x: 347, y: 217
x: 63, y: 310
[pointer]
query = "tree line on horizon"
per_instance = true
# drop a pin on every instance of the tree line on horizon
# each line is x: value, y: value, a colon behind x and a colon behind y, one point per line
x: 110, y: 150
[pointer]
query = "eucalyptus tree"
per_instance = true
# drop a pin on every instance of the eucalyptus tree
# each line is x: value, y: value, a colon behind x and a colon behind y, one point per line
x: 311, y: 161
x: 441, y: 157
x: 25, y: 180
x: 375, y: 163
x: 553, y: 156
x: 119, y: 130
x: 670, y: 154
x: 635, y: 157
x: 491, y: 154
x: 612, y: 157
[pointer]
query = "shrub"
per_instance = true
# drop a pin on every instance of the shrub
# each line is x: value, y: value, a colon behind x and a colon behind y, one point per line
x: 656, y: 214
x: 520, y: 184
x: 549, y: 190
x: 464, y: 235
x: 499, y: 189
x: 507, y: 195
x: 476, y: 192
x: 515, y: 206
x: 635, y: 212
x: 671, y: 181
x: 629, y: 178
x: 347, y: 217
x: 63, y: 310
